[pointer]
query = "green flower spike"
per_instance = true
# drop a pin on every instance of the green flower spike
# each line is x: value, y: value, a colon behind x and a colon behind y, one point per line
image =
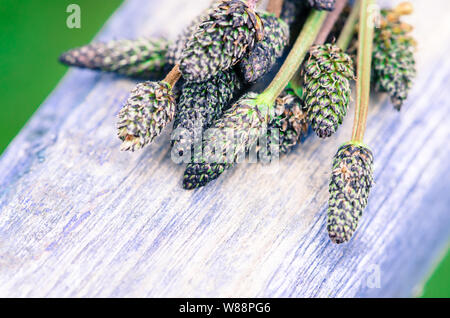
x: 221, y: 41
x: 134, y: 58
x: 350, y: 183
x: 393, y: 55
x: 327, y: 88
x: 328, y: 73
x: 150, y: 107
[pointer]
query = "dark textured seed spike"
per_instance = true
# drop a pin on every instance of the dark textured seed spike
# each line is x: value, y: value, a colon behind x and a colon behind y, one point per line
x: 203, y: 103
x: 260, y: 60
x: 349, y: 188
x: 220, y: 41
x: 244, y: 120
x: 150, y: 107
x: 199, y: 174
x: 135, y: 58
x: 393, y: 63
x: 327, y: 88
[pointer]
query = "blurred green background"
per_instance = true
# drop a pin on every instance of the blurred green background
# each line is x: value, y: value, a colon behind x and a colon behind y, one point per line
x: 32, y: 35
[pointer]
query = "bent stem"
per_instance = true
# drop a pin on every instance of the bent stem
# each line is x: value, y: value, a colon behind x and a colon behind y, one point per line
x: 173, y: 76
x: 348, y: 31
x: 295, y: 58
x: 366, y: 31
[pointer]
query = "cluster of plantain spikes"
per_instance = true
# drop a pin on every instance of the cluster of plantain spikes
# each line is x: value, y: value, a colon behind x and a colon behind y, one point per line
x: 226, y: 46
x: 216, y: 58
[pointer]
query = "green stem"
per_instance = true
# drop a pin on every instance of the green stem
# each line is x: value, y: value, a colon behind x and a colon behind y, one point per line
x: 348, y: 31
x: 295, y: 58
x: 366, y: 30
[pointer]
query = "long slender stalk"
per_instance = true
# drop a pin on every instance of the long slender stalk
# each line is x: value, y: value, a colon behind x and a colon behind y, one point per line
x: 349, y: 28
x: 366, y: 31
x: 330, y: 21
x: 295, y: 58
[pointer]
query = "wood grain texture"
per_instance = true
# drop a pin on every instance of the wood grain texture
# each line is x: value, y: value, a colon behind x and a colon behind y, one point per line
x: 79, y: 218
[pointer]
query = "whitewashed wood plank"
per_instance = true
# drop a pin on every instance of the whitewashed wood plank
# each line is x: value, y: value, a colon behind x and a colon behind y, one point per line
x: 79, y: 218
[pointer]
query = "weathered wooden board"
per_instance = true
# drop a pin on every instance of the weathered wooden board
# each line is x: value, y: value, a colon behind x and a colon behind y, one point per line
x: 80, y: 218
